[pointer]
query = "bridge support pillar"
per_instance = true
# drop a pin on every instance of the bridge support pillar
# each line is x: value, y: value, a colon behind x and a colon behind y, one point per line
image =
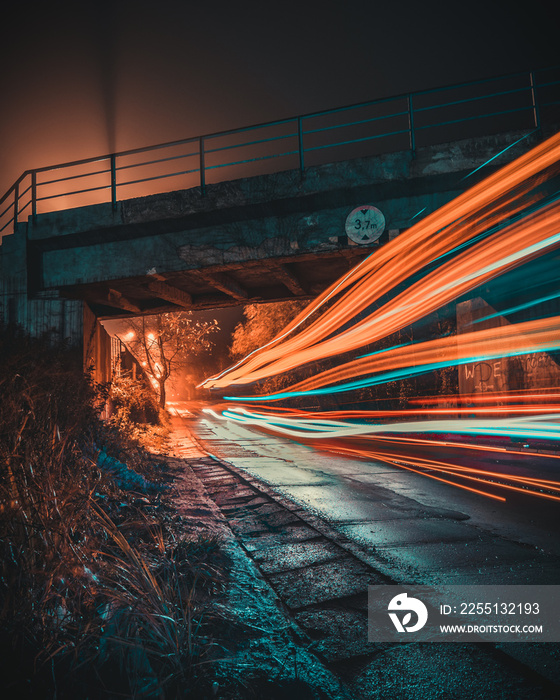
x: 96, y: 348
x: 534, y: 371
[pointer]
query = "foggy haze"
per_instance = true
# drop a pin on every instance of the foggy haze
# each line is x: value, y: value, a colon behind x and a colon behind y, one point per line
x: 84, y: 79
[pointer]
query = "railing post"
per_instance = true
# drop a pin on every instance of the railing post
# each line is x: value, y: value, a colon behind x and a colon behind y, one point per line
x: 536, y: 114
x: 34, y: 195
x: 114, y: 181
x: 411, y: 136
x: 202, y: 171
x: 300, y: 146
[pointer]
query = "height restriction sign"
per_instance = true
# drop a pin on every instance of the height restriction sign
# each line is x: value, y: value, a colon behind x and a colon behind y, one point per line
x: 365, y: 224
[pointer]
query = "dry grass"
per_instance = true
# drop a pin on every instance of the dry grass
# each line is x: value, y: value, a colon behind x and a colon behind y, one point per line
x: 101, y: 594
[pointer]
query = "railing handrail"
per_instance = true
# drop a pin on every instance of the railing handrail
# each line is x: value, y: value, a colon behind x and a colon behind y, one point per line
x: 298, y: 120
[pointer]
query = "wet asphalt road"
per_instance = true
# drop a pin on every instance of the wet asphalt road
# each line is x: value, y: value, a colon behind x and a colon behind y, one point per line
x: 423, y: 528
x: 406, y: 528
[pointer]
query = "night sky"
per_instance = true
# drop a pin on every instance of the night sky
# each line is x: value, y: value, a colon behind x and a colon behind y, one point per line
x: 80, y: 79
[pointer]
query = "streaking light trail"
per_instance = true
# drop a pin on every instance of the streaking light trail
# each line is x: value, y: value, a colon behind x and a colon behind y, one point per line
x: 542, y: 427
x: 498, y: 225
x: 411, y: 360
x: 484, y: 206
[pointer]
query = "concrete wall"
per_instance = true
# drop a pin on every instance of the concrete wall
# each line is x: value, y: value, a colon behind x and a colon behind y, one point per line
x: 532, y: 371
x: 96, y: 348
x: 42, y: 314
x: 265, y: 216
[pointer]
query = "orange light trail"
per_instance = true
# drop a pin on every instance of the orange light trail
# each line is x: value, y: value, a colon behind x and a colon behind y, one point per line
x: 461, y: 486
x: 305, y: 430
x: 464, y: 445
x: 423, y: 297
x: 521, y: 338
x: 497, y: 225
x: 496, y: 396
x: 396, y: 463
x: 460, y: 221
x: 465, y: 473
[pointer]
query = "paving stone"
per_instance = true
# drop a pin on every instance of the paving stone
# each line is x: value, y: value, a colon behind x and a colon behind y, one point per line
x: 267, y: 508
x: 290, y: 533
x: 247, y: 526
x: 208, y: 471
x: 293, y: 556
x: 259, y: 500
x: 258, y: 509
x: 322, y: 582
x: 220, y: 478
x: 279, y: 519
x: 218, y: 489
x: 239, y: 499
x: 232, y: 488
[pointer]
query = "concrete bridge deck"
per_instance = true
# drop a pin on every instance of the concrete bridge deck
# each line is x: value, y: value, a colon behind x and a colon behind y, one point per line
x: 271, y: 236
x: 257, y: 239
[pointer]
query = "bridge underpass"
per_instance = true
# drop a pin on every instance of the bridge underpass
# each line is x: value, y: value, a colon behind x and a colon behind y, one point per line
x: 259, y: 239
x: 268, y: 237
x: 283, y: 236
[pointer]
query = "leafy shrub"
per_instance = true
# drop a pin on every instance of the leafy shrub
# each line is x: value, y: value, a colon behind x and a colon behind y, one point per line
x: 132, y: 401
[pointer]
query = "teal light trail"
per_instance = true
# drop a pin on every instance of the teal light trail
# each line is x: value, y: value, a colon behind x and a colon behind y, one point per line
x: 497, y: 155
x: 514, y: 309
x: 384, y: 377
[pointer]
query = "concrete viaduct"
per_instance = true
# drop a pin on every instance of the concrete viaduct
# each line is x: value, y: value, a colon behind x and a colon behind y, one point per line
x: 268, y: 237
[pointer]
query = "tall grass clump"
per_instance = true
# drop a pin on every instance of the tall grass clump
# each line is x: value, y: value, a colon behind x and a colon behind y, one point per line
x: 101, y: 593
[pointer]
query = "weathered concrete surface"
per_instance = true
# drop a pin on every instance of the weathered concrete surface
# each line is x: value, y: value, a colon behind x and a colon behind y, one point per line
x: 296, y: 555
x: 261, y: 238
x: 536, y: 370
x: 96, y: 348
x: 43, y: 314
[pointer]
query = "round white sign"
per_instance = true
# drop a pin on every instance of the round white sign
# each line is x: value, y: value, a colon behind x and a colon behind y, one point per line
x: 365, y: 224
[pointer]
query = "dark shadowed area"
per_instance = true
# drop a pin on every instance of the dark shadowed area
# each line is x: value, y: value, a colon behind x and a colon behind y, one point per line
x: 202, y: 511
x: 93, y: 78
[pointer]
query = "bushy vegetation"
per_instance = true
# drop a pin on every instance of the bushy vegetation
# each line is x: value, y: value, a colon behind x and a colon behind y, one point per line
x: 262, y: 322
x: 133, y: 402
x: 102, y: 594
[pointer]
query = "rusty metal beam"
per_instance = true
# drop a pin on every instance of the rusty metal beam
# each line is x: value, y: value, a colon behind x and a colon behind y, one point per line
x: 288, y: 279
x: 169, y: 293
x: 354, y: 255
x: 226, y: 284
x: 156, y: 275
x: 119, y: 301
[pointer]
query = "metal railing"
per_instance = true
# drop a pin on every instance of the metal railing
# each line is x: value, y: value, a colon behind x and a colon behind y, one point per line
x: 515, y: 101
